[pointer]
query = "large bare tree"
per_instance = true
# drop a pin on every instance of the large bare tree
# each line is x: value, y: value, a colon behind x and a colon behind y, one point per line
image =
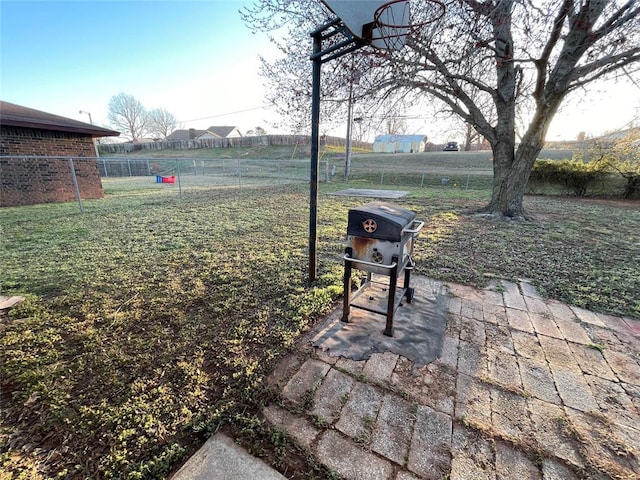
x: 492, y: 62
x: 518, y: 56
x: 128, y: 116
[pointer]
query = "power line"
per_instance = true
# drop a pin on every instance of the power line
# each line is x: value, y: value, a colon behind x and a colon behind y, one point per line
x: 223, y: 114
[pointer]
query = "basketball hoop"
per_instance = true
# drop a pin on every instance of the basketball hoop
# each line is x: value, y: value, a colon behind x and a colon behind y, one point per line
x: 394, y: 21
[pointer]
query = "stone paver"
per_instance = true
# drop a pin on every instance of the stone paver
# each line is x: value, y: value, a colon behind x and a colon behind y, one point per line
x: 512, y: 463
x: 349, y: 461
x: 491, y: 298
x: 473, y: 331
x: 572, y: 330
x: 538, y: 381
x: 454, y: 305
x: 352, y: 366
x: 307, y: 379
x: 544, y: 324
x: 549, y: 424
x: 392, y: 433
x: 449, y: 352
x: 605, y: 337
x: 558, y: 354
x: 331, y: 395
x: 471, y: 309
x: 574, y: 390
x: 494, y: 313
x: 499, y: 338
x: 625, y: 367
x: 528, y: 346
x: 472, y: 453
x: 614, y: 402
x: 220, y: 458
x: 360, y: 412
x: 297, y: 427
x: 402, y: 475
x: 603, y: 446
x: 503, y: 370
x: 554, y: 470
x: 592, y: 361
x: 587, y: 316
x: 536, y: 305
x: 509, y: 415
x: 439, y: 388
x: 472, y: 359
x: 520, y: 320
x: 512, y: 296
x: 473, y: 400
x: 429, y: 456
x: 525, y: 389
x: 380, y: 366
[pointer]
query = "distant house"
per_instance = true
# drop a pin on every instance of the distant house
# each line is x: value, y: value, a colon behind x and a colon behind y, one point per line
x: 220, y: 132
x: 399, y: 143
x: 184, y: 134
x: 209, y: 133
x: 26, y: 133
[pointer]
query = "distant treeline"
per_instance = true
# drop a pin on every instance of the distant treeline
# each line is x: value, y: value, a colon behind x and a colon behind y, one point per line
x: 252, y: 141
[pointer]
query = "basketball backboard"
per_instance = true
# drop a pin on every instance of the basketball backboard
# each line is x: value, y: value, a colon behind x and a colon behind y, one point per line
x: 381, y: 24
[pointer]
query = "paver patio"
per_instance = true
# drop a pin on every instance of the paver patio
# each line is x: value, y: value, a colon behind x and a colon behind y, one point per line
x: 524, y: 388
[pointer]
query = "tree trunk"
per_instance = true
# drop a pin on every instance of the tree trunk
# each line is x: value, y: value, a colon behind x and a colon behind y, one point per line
x: 511, y: 170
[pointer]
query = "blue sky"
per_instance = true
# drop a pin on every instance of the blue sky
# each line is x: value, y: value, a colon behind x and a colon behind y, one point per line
x: 197, y: 59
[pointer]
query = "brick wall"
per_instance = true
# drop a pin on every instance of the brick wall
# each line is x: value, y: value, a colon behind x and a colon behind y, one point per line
x: 27, y: 181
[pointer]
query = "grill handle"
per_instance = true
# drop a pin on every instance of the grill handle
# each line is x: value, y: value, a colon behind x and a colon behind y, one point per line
x: 414, y: 231
x: 347, y: 258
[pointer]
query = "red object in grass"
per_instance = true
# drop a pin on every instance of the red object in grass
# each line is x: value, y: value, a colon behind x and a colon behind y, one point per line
x: 171, y: 179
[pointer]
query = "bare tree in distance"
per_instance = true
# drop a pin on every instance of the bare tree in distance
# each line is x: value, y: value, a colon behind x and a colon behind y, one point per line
x: 258, y: 131
x: 489, y: 62
x: 161, y: 122
x: 128, y: 116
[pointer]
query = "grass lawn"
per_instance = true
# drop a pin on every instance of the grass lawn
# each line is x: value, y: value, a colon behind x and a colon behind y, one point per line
x: 151, y: 322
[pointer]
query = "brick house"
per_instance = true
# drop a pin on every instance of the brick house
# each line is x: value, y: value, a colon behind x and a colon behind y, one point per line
x: 29, y: 139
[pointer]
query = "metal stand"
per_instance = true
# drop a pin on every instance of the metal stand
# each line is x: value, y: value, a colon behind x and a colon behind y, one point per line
x: 395, y: 294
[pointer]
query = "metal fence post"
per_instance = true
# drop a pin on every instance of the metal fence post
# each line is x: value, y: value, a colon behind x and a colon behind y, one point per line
x: 72, y: 169
x: 179, y: 181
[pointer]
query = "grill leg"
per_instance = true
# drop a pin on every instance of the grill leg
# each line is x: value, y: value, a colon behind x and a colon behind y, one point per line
x: 391, y: 302
x: 346, y: 306
x: 407, y: 281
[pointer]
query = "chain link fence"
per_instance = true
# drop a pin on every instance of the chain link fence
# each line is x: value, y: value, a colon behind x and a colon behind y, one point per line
x: 122, y: 175
x: 29, y: 180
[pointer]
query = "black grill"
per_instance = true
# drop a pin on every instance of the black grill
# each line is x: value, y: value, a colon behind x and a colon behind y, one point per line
x: 380, y: 238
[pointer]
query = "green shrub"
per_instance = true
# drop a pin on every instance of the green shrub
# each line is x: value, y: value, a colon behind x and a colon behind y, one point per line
x: 574, y: 176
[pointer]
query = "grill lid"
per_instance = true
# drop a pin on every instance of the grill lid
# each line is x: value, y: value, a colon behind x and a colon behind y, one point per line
x: 380, y: 220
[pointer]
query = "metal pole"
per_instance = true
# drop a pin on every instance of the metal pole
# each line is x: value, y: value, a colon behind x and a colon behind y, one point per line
x: 179, y: 182
x: 72, y: 168
x: 315, y: 148
x: 347, y: 164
